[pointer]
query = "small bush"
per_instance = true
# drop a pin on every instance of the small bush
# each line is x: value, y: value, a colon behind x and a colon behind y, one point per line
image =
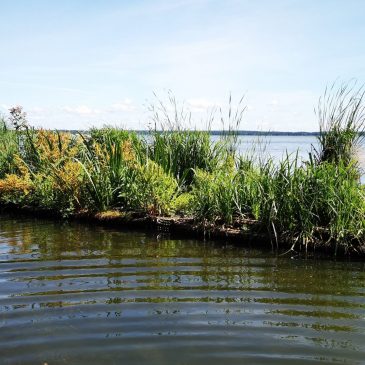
x: 151, y: 189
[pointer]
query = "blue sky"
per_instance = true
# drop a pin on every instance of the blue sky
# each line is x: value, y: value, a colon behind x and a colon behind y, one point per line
x: 76, y: 64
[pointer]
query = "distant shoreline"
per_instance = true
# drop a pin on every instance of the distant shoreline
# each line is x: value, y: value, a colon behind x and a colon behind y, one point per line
x: 220, y: 133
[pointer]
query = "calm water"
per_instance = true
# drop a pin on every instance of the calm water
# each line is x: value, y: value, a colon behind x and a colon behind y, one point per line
x: 75, y: 294
x: 278, y: 146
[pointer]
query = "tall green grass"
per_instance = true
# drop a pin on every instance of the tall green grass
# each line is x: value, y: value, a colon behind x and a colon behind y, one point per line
x: 8, y: 148
x: 177, y: 170
x: 181, y: 150
x: 320, y: 201
x: 119, y: 174
x: 341, y: 116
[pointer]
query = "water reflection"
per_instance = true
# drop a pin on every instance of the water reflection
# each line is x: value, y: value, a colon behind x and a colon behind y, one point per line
x: 73, y: 293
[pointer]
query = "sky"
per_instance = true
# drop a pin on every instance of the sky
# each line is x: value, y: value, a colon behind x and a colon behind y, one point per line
x: 74, y: 64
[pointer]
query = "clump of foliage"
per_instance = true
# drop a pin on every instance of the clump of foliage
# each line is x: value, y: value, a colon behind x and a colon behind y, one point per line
x: 175, y: 170
x: 182, y: 151
x: 341, y: 114
x: 120, y: 175
x: 8, y: 149
x: 320, y: 201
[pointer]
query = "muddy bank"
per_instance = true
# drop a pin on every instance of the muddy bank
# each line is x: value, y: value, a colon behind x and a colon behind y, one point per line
x: 249, y: 234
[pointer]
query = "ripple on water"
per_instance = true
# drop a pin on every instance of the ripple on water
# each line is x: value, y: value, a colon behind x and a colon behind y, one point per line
x: 77, y: 294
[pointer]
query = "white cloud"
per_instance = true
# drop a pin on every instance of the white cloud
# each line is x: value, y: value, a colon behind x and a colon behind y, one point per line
x: 265, y: 110
x: 273, y: 102
x: 81, y: 110
x: 37, y: 110
x: 201, y: 105
x: 124, y: 114
x: 125, y: 105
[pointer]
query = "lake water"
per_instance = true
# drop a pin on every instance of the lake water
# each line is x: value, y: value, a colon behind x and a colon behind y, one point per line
x: 79, y: 294
x: 277, y: 146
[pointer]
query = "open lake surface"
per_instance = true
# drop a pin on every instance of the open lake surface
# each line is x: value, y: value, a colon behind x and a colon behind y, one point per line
x: 80, y: 294
x: 278, y: 146
x: 275, y: 146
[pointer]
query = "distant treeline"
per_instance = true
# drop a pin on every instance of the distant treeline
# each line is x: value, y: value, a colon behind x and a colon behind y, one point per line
x: 220, y: 133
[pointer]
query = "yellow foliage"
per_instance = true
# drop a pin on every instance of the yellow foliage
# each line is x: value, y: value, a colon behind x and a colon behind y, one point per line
x: 109, y: 215
x: 68, y: 176
x: 15, y: 184
x: 100, y: 151
x: 127, y: 151
x: 21, y: 166
x: 105, y: 156
x: 53, y: 146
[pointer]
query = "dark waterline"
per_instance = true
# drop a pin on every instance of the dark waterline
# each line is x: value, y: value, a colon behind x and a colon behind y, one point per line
x: 75, y: 294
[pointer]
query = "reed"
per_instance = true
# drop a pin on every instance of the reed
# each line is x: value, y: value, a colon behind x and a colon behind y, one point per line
x: 8, y: 148
x: 181, y: 150
x: 341, y: 116
x: 119, y: 174
x: 176, y: 170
